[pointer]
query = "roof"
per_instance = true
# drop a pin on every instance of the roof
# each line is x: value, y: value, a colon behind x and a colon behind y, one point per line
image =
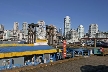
x: 24, y: 48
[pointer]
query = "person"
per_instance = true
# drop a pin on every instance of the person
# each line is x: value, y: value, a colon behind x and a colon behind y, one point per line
x: 8, y: 62
x: 33, y: 60
x: 4, y: 63
x: 28, y: 62
x: 12, y: 62
x: 101, y: 49
x: 25, y: 63
x: 40, y: 60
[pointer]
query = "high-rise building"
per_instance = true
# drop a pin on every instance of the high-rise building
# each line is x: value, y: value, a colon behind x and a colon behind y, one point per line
x: 1, y: 28
x: 80, y: 31
x: 93, y: 29
x: 73, y: 36
x: 1, y: 31
x: 16, y: 27
x: 67, y: 25
x: 24, y: 28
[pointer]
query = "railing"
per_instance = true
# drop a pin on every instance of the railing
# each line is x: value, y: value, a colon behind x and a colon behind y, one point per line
x: 72, y: 46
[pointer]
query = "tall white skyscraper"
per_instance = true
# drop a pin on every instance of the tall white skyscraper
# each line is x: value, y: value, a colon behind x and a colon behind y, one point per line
x: 80, y: 31
x: 24, y: 28
x: 93, y: 29
x: 16, y: 27
x: 67, y: 25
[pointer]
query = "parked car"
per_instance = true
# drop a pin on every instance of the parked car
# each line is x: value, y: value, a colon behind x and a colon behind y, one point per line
x: 90, y: 43
x: 100, y: 44
x: 105, y: 45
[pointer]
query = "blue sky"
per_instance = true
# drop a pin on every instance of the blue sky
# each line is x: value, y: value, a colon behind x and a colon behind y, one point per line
x: 82, y: 12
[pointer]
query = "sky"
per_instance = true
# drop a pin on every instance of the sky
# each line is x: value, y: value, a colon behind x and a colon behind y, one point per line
x: 83, y: 12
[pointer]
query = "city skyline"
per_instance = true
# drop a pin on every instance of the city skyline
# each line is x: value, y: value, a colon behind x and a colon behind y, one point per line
x: 83, y: 12
x: 21, y: 25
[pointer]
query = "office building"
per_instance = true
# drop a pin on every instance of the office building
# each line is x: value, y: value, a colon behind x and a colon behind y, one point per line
x: 67, y: 25
x: 24, y: 28
x: 93, y: 29
x: 1, y: 31
x: 73, y: 35
x: 15, y: 28
x: 80, y: 31
x: 24, y: 31
x: 1, y: 28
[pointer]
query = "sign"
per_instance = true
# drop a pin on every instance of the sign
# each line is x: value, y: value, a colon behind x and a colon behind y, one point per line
x: 64, y: 48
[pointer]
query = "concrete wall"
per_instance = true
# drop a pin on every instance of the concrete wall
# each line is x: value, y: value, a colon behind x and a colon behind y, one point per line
x: 19, y: 60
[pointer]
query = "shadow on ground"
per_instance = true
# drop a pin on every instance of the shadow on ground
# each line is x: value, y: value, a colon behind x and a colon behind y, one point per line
x: 90, y: 68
